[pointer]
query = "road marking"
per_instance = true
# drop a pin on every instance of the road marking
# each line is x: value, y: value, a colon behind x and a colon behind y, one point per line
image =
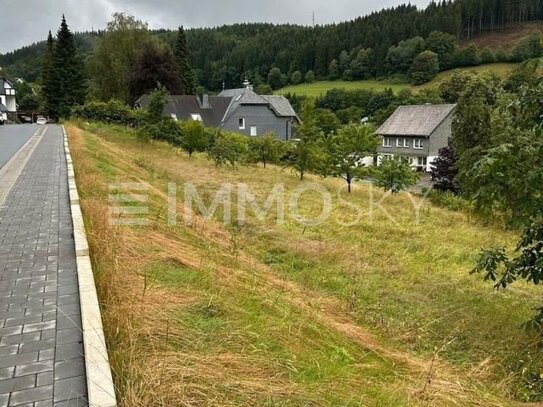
x: 10, y: 172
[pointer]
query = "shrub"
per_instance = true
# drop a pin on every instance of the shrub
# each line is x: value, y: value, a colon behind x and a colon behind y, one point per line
x: 395, y: 175
x: 228, y: 148
x: 193, y: 137
x: 266, y: 149
x: 113, y: 112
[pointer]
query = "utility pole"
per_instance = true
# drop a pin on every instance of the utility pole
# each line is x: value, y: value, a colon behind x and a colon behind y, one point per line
x: 313, y: 18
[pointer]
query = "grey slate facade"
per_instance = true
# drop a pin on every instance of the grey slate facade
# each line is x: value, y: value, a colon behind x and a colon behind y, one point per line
x: 239, y: 110
x: 417, y: 133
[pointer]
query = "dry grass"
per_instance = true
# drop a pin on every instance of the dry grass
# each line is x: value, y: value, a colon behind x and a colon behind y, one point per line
x: 374, y: 314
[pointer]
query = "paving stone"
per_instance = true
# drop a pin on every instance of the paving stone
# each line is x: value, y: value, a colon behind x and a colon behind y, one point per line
x: 69, y: 368
x: 36, y: 346
x: 31, y: 395
x: 34, y: 368
x: 66, y: 389
x: 45, y: 378
x: 69, y: 335
x: 68, y: 351
x: 17, y: 383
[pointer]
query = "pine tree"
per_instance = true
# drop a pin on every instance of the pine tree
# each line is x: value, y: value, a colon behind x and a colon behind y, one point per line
x: 186, y: 75
x: 46, y: 70
x: 67, y: 87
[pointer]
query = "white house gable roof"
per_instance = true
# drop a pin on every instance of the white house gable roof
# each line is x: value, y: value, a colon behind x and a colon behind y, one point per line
x: 420, y: 120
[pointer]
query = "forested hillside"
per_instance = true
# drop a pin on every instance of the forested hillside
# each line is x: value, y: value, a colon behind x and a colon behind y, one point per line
x: 229, y: 52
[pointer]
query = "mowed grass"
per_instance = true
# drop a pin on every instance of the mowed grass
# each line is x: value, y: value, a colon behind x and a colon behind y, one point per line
x: 373, y: 307
x: 320, y: 88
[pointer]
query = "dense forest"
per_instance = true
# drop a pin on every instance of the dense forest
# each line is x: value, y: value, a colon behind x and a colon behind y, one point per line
x: 228, y: 53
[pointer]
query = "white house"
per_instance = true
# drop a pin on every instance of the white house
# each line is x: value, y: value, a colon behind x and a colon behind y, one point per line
x: 8, y: 103
x: 417, y: 133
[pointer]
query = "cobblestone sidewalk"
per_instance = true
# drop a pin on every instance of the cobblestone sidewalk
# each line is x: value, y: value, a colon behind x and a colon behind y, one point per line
x: 41, y: 351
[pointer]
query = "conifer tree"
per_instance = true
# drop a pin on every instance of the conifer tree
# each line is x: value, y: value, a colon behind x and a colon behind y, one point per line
x: 67, y: 87
x: 181, y: 53
x: 46, y: 70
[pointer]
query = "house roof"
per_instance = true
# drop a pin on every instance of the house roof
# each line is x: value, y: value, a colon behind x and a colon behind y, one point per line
x: 221, y: 107
x: 420, y: 120
x: 281, y: 105
x: 183, y: 106
x: 246, y: 96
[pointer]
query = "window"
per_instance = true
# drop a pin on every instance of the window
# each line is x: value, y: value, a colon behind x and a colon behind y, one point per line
x: 417, y: 144
x: 196, y: 117
x: 398, y: 142
x: 254, y: 132
x: 386, y: 142
x: 406, y: 142
x: 422, y: 161
x: 174, y: 116
x: 241, y: 124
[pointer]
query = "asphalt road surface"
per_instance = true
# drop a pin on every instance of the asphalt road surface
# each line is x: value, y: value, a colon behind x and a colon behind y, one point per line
x: 12, y: 138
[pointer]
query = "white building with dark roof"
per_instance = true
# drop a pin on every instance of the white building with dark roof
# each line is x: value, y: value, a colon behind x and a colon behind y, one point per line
x: 8, y: 103
x: 417, y: 133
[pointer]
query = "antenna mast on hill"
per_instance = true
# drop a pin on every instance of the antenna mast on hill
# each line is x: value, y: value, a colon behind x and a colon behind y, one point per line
x: 313, y: 18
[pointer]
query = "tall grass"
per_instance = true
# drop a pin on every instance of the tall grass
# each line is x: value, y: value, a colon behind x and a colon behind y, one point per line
x: 381, y: 313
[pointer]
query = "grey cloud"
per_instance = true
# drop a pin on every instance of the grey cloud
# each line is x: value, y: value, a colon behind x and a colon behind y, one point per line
x: 28, y: 21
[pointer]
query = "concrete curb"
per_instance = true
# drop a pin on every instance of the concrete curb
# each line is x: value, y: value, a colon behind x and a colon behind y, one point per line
x: 101, y: 391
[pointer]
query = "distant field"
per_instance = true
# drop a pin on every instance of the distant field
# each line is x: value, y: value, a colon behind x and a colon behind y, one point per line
x: 321, y: 87
x: 501, y: 69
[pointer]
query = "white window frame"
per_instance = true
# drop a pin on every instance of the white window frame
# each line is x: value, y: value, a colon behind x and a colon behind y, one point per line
x: 417, y: 144
x: 386, y: 142
x: 242, y: 123
x: 196, y: 117
x: 254, y: 131
x: 173, y: 116
x: 406, y: 142
x: 422, y: 161
x: 399, y: 142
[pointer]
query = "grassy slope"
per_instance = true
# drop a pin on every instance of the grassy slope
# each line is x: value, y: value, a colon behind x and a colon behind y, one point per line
x: 321, y: 87
x: 500, y: 69
x: 378, y: 314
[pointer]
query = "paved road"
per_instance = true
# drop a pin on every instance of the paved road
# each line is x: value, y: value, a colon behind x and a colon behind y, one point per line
x: 41, y: 352
x: 12, y: 138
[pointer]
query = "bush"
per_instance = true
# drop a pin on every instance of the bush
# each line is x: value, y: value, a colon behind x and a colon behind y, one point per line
x: 193, y: 137
x: 166, y: 129
x: 228, y: 148
x: 449, y: 200
x: 113, y: 112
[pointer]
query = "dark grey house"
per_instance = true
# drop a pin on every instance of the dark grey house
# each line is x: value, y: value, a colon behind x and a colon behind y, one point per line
x: 417, y: 133
x: 239, y: 110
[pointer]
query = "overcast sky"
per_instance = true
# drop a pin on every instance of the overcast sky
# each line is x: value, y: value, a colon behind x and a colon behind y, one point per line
x: 26, y: 21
